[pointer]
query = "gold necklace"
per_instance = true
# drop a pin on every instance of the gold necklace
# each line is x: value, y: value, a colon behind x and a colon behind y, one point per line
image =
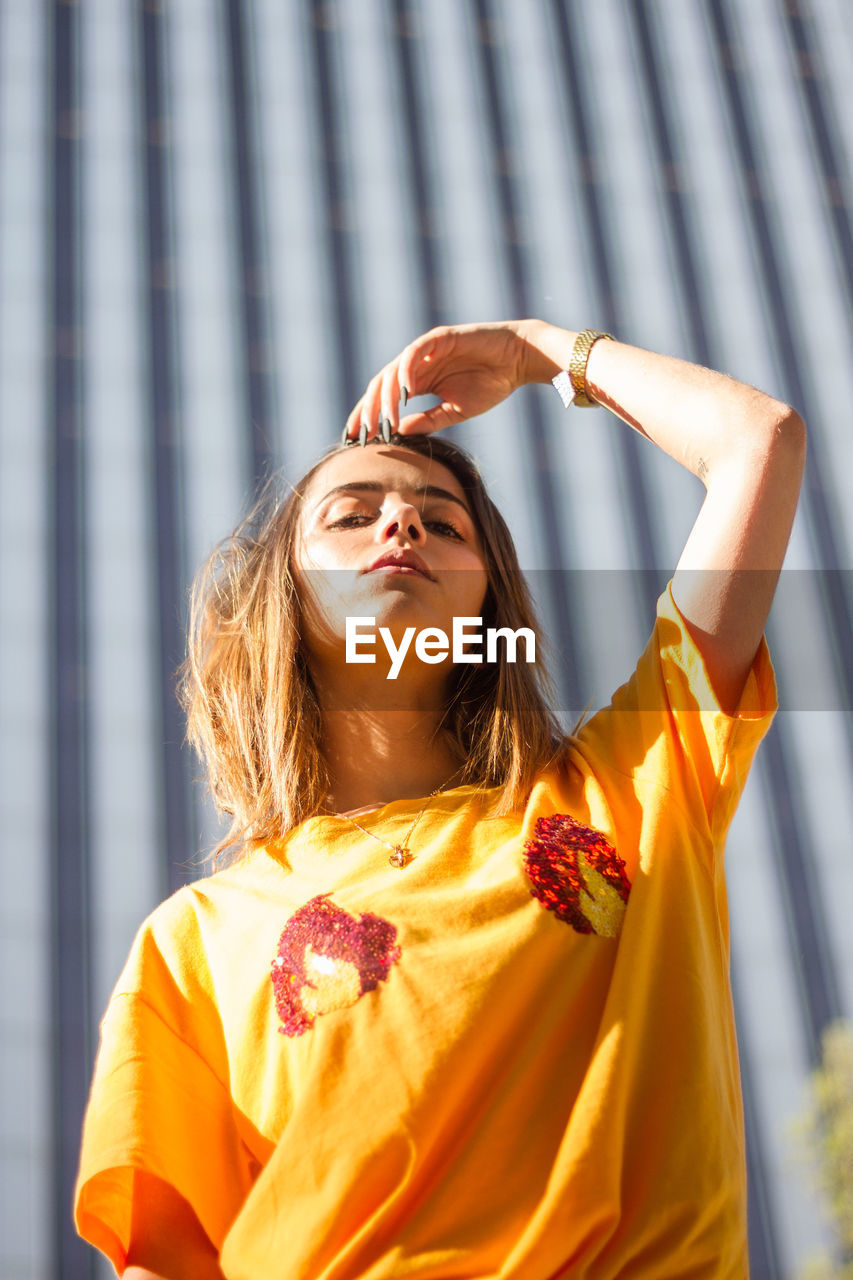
x: 400, y: 855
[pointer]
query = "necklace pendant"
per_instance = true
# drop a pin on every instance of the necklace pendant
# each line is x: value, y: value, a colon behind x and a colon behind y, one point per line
x: 400, y: 857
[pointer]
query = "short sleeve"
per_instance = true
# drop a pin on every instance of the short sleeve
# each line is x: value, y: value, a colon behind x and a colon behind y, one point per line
x: 159, y: 1103
x: 665, y: 725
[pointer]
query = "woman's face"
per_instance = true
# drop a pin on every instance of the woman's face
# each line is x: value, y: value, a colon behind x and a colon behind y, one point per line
x: 385, y: 533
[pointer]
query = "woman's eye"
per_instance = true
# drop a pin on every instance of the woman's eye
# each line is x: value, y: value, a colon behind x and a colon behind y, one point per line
x: 346, y: 522
x: 445, y: 528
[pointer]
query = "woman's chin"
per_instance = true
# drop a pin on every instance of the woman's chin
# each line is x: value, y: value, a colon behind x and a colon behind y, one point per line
x: 396, y: 607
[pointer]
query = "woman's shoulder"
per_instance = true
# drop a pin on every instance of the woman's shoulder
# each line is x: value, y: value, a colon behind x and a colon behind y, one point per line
x: 180, y: 932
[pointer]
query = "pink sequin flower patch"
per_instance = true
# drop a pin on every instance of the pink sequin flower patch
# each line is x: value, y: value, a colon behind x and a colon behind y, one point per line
x: 327, y: 960
x: 578, y: 875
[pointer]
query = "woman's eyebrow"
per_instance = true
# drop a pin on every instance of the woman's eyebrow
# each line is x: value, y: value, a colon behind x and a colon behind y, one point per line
x: 374, y: 486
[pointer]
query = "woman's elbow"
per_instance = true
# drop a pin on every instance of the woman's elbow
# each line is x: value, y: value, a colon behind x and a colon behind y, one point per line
x: 788, y: 433
x: 776, y: 444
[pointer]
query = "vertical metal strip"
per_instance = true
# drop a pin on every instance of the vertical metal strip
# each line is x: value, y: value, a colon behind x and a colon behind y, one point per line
x: 817, y: 492
x: 808, y: 935
x: 254, y: 291
x: 405, y: 26
x: 71, y: 976
x: 670, y: 185
x: 629, y: 461
x: 165, y: 444
x: 569, y: 677
x: 827, y: 147
x: 321, y: 18
x: 762, y: 1229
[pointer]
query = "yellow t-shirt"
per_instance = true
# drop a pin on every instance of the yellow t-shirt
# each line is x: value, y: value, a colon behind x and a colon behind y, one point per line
x: 514, y: 1058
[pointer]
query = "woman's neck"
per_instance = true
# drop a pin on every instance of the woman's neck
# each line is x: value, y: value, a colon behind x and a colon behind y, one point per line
x: 377, y: 757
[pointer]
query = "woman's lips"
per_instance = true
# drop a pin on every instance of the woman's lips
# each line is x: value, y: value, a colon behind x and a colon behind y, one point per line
x: 399, y: 568
x: 401, y: 562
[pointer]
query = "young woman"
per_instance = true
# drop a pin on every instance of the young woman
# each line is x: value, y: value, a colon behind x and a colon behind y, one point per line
x: 459, y: 1005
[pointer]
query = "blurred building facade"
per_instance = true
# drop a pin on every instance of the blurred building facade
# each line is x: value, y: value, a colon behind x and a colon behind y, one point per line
x: 217, y: 219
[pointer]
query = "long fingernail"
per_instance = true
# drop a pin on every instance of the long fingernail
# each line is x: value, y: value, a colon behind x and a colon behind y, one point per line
x: 362, y: 434
x: 404, y: 393
x: 345, y: 435
x: 386, y: 430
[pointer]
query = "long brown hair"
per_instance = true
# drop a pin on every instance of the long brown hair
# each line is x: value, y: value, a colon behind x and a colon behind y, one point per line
x: 252, y: 710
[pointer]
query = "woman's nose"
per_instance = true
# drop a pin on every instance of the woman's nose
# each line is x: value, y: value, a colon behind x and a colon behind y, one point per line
x: 404, y: 519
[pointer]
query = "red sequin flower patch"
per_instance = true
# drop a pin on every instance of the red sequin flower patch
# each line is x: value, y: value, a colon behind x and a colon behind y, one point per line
x: 326, y: 960
x: 579, y: 876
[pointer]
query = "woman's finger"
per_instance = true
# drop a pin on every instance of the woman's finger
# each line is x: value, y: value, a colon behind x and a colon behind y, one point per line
x: 389, y: 402
x: 417, y: 362
x: 365, y: 417
x: 370, y: 409
x: 351, y: 429
x: 410, y: 373
x: 429, y: 420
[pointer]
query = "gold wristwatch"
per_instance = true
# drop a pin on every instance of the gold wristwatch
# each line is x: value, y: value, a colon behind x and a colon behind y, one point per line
x: 584, y: 343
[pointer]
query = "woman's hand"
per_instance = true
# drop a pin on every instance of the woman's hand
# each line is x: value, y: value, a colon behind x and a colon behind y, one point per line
x: 470, y: 367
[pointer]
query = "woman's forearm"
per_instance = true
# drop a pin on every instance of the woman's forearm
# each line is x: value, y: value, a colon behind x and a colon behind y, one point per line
x: 700, y: 418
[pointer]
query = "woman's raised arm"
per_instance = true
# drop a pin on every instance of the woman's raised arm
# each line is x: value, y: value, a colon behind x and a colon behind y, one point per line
x: 747, y: 448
